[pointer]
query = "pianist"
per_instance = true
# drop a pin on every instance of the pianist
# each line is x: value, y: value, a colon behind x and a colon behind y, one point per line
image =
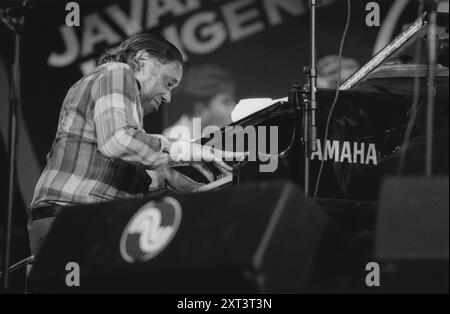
x: 101, y: 151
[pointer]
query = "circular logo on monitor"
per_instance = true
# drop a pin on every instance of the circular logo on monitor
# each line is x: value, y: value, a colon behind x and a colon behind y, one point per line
x: 150, y: 230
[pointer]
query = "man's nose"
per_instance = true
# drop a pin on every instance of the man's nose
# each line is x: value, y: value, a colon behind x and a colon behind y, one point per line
x: 167, y: 97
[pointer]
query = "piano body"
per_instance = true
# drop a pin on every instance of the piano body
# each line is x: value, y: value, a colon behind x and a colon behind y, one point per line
x: 383, y: 89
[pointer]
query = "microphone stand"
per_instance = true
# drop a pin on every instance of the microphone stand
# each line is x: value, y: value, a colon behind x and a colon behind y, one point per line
x: 14, y: 20
x: 431, y: 88
x: 310, y: 106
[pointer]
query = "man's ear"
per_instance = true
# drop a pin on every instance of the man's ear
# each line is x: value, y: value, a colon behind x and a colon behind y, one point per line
x: 142, y: 54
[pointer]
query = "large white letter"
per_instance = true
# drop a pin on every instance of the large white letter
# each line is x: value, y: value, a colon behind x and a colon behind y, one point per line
x: 332, y: 150
x: 130, y: 24
x: 272, y: 7
x: 158, y: 8
x: 73, y: 277
x: 358, y: 153
x: 346, y: 152
x: 241, y: 134
x: 72, y: 48
x: 215, y: 139
x: 373, y: 277
x: 73, y: 17
x: 241, y: 23
x: 372, y: 155
x: 214, y: 32
x: 373, y: 17
x: 318, y: 153
x: 192, y: 5
x: 96, y: 31
x: 262, y: 140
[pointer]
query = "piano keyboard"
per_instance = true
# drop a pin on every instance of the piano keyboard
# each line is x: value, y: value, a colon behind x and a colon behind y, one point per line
x: 216, y: 184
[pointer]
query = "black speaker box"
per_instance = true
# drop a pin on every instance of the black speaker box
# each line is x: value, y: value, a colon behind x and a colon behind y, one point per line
x: 412, y: 239
x: 258, y: 238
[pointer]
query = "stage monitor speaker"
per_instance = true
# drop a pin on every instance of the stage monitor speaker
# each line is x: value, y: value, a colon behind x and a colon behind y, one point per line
x: 258, y: 238
x: 413, y: 235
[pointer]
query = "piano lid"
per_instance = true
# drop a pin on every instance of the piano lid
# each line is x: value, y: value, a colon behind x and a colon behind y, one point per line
x: 406, y: 38
x: 393, y: 70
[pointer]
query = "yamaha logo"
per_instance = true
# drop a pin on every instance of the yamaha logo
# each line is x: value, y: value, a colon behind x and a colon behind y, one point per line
x: 150, y: 230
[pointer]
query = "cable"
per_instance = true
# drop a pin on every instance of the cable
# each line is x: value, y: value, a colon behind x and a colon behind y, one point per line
x: 336, y: 96
x: 294, y: 135
x: 415, y: 104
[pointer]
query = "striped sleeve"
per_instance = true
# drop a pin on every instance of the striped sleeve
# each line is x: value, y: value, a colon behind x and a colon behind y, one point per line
x: 119, y: 132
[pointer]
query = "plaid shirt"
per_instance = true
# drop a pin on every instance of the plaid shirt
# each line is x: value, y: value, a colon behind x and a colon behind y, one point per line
x: 101, y: 151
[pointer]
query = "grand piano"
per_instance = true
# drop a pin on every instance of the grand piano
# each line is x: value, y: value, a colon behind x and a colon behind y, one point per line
x: 382, y: 90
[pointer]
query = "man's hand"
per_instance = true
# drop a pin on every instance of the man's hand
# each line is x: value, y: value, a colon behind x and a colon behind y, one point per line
x: 180, y: 183
x: 190, y: 152
x: 177, y: 181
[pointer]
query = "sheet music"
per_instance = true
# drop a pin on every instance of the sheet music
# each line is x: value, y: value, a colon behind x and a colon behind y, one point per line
x: 247, y: 107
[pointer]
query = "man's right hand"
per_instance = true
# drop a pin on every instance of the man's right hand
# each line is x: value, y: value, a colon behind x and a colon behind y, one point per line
x: 183, y: 151
x: 177, y: 181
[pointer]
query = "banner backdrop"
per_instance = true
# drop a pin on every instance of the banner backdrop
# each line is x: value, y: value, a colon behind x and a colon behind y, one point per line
x: 264, y: 44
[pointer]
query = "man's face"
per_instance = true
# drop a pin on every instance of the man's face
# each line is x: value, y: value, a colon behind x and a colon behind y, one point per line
x: 157, y: 82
